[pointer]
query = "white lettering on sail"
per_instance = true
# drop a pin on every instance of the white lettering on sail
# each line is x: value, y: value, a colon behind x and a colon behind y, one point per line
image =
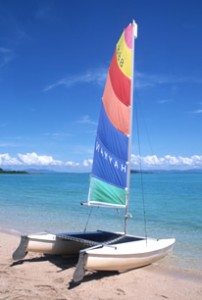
x: 102, y: 152
x: 116, y: 165
x: 112, y: 161
x: 123, y: 168
x: 97, y: 148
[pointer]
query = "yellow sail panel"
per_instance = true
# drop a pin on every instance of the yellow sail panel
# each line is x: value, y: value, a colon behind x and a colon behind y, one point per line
x: 124, y: 56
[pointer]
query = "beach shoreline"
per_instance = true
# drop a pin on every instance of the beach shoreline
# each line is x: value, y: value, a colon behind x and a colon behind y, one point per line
x: 48, y: 277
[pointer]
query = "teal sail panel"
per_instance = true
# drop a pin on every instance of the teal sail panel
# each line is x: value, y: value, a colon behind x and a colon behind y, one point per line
x: 105, y: 194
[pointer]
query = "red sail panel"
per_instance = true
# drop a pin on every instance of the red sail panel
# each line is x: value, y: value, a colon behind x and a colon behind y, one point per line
x: 117, y: 112
x: 121, y: 84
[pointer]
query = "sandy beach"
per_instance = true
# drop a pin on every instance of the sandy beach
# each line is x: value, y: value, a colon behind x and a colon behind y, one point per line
x: 41, y: 277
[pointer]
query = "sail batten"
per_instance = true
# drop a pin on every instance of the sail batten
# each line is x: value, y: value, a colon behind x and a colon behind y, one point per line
x: 110, y: 171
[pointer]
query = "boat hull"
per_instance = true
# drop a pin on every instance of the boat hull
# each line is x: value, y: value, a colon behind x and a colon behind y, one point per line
x: 46, y: 243
x: 109, y: 259
x: 128, y: 253
x: 51, y: 244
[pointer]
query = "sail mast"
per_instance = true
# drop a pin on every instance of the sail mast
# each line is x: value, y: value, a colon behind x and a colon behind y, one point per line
x: 110, y: 177
x: 131, y: 126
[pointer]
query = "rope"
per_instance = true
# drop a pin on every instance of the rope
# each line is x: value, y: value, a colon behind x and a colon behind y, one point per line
x: 88, y: 219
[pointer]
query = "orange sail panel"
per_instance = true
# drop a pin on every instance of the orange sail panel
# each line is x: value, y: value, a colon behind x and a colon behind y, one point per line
x: 117, y: 112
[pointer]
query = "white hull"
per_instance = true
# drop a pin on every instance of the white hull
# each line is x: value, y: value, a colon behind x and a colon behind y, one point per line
x: 126, y: 253
x: 127, y: 256
x: 120, y: 256
x: 48, y: 243
x: 45, y: 243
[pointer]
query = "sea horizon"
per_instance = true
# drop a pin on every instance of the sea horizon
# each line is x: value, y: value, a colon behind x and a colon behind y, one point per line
x: 133, y: 170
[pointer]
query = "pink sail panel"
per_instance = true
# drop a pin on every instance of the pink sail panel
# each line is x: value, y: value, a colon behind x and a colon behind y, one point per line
x: 117, y: 112
x: 128, y: 35
x: 121, y: 84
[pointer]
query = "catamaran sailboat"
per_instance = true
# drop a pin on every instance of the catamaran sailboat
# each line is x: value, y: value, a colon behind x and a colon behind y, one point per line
x: 109, y: 182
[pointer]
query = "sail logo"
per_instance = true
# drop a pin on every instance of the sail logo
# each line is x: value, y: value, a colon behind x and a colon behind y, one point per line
x: 120, y: 58
x: 117, y: 164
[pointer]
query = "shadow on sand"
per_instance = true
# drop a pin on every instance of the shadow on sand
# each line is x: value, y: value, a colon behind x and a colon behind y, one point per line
x: 65, y: 263
x: 61, y: 262
x: 92, y: 276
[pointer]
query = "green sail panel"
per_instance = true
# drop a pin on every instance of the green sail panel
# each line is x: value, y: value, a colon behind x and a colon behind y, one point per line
x: 105, y: 194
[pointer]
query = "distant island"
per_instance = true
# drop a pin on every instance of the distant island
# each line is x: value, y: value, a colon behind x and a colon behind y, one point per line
x: 12, y: 172
x: 143, y: 171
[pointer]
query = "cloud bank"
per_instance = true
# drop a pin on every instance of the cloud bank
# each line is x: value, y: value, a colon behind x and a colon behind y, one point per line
x: 142, y: 80
x: 167, y: 162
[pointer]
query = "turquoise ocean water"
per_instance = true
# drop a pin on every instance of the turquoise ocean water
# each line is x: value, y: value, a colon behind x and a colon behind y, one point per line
x: 173, y: 203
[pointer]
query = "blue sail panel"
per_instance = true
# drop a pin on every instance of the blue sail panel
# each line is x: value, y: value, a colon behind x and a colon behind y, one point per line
x: 108, y: 167
x: 114, y: 140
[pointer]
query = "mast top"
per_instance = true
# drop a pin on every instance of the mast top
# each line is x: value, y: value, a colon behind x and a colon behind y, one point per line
x: 135, y: 28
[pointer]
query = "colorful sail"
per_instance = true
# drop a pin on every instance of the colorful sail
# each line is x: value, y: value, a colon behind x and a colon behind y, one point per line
x: 109, y: 179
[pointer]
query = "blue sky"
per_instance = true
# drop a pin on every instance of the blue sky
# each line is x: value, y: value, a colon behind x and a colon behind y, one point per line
x: 53, y: 61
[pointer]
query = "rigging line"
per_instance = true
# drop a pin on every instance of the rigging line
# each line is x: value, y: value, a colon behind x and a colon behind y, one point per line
x: 141, y: 177
x: 146, y: 129
x: 148, y: 134
x: 88, y: 219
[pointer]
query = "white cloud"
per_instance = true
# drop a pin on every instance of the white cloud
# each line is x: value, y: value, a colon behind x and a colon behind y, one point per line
x: 40, y: 160
x: 2, y: 144
x: 197, y: 111
x: 87, y: 162
x: 96, y: 76
x: 33, y: 159
x: 86, y: 120
x: 6, y: 55
x: 147, y: 162
x: 143, y: 80
x: 7, y: 160
x: 167, y: 162
x: 164, y: 101
x: 71, y: 164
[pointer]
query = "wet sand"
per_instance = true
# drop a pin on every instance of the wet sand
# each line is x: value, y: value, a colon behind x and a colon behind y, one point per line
x: 49, y: 277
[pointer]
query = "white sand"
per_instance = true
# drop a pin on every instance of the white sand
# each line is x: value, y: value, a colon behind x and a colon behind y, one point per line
x: 39, y: 277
